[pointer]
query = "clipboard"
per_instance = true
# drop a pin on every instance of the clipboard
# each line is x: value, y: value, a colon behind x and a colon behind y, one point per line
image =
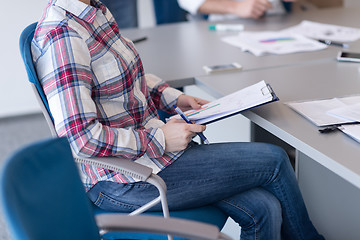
x: 247, y: 98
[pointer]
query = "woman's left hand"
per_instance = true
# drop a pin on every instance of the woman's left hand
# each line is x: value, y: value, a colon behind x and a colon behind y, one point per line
x: 186, y: 102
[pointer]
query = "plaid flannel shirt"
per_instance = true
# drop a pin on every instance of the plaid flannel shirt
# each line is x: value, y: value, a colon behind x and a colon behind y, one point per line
x: 98, y: 94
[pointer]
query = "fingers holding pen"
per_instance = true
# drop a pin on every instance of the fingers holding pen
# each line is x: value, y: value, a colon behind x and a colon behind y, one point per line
x: 178, y: 134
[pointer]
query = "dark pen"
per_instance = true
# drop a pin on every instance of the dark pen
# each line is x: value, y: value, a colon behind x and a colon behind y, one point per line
x: 182, y: 115
x: 338, y: 44
x: 329, y: 129
x: 139, y: 40
x: 332, y: 128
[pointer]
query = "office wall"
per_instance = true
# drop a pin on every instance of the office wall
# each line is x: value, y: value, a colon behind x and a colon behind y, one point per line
x: 146, y: 15
x: 14, y: 92
x: 16, y: 97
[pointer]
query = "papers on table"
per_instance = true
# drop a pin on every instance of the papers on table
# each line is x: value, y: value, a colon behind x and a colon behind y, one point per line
x: 299, y: 38
x: 246, y: 98
x: 336, y: 111
x: 352, y: 131
x: 329, y: 111
x: 260, y: 43
x: 325, y: 31
x: 347, y: 112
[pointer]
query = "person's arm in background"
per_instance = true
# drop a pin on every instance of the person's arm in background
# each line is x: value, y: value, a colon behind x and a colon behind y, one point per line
x: 191, y: 6
x: 243, y: 9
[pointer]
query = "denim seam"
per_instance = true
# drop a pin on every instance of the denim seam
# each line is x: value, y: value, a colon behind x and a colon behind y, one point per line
x: 274, y: 176
x: 219, y: 179
x: 103, y: 196
x: 279, y: 189
x: 245, y: 211
x: 99, y: 199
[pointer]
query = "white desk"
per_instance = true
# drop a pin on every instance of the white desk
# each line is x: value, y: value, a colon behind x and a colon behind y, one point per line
x: 179, y: 51
x: 328, y: 165
x: 335, y: 155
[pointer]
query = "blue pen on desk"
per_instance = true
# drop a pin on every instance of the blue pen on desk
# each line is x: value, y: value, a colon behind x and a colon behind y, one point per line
x: 201, y: 135
x: 338, y: 44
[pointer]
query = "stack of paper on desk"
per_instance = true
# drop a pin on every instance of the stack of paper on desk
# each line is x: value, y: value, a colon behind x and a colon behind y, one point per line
x: 317, y: 111
x: 300, y: 38
x: 260, y: 43
x: 352, y: 131
x: 246, y: 98
x: 336, y: 111
x: 325, y: 31
x: 350, y: 113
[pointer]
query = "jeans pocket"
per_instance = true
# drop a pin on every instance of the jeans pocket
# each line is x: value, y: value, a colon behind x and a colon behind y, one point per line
x: 110, y: 204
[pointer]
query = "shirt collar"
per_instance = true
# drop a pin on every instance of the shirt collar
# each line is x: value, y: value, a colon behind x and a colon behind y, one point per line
x: 80, y: 9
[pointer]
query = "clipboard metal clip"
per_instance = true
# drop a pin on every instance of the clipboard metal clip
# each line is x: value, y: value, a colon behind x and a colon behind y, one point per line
x: 268, y: 90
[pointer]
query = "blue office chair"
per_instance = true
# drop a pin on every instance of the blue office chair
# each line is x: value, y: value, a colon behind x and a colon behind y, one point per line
x: 207, y: 214
x: 43, y: 198
x: 168, y: 11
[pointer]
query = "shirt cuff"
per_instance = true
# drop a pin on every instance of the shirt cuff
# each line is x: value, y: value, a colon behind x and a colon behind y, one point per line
x: 159, y: 137
x: 192, y: 6
x: 171, y: 95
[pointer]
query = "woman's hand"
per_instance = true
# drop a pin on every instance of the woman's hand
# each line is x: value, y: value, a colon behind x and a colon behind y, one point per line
x: 186, y: 102
x: 178, y: 134
x: 251, y: 8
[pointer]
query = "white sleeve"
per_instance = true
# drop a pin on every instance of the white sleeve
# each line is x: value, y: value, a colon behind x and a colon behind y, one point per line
x: 192, y: 6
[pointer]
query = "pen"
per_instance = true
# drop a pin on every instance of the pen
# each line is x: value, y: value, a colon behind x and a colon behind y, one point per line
x: 139, y: 40
x: 332, y: 128
x: 328, y: 129
x: 338, y: 44
x: 201, y: 135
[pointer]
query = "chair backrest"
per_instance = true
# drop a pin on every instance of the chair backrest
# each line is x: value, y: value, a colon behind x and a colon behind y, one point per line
x: 25, y: 51
x: 42, y: 194
x: 168, y: 11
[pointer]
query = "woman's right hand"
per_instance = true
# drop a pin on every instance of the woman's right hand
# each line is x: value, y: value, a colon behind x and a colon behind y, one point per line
x: 252, y: 8
x: 178, y: 134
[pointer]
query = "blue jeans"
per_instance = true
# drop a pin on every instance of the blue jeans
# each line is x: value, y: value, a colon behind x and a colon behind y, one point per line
x: 253, y: 183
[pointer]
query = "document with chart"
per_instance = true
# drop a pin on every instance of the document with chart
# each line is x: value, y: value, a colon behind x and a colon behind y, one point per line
x: 260, y: 43
x: 246, y: 98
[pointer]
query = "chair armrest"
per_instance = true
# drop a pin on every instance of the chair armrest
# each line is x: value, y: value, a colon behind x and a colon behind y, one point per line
x: 155, y: 224
x: 134, y: 170
x: 120, y: 165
